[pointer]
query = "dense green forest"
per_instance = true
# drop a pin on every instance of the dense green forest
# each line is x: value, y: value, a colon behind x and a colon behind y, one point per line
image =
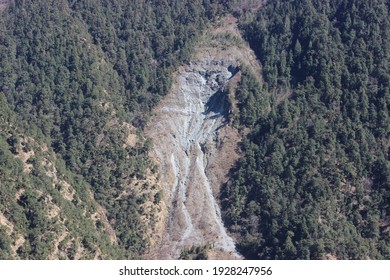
x: 33, y: 203
x: 74, y: 75
x: 314, y: 182
x: 77, y: 77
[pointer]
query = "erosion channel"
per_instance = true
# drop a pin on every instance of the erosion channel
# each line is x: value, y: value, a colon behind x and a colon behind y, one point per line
x: 195, y: 147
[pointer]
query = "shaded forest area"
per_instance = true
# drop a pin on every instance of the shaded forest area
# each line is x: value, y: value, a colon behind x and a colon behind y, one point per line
x: 314, y: 182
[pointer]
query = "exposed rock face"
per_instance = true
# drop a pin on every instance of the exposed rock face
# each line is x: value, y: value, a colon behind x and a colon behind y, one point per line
x: 184, y: 131
x: 195, y: 147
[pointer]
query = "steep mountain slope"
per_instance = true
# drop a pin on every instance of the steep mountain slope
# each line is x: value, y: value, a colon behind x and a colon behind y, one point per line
x: 314, y: 181
x: 286, y: 161
x: 194, y: 144
x: 79, y: 79
x: 46, y: 212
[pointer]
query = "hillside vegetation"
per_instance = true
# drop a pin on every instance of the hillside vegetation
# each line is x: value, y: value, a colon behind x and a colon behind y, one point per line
x: 315, y: 178
x: 79, y: 78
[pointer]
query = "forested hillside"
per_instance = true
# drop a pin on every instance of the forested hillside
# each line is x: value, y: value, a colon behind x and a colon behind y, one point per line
x: 314, y: 182
x: 77, y: 81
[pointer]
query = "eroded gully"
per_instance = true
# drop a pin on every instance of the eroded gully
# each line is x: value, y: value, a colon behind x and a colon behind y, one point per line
x: 183, y: 131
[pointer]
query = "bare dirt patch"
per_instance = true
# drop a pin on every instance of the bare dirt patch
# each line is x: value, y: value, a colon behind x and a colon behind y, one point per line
x: 24, y: 154
x: 19, y: 241
x: 9, y: 227
x: 224, y: 40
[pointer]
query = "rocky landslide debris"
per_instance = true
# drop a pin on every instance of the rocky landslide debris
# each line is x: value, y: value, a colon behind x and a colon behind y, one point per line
x: 185, y: 131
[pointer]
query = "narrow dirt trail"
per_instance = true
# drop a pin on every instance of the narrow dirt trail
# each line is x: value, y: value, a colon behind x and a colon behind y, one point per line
x: 195, y: 147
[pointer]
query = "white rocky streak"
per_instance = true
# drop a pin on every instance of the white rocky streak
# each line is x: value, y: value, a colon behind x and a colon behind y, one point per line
x: 186, y: 121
